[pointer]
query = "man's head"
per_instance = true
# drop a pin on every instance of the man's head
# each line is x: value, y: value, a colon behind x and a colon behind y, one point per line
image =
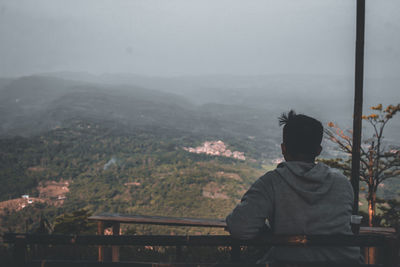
x: 302, y: 136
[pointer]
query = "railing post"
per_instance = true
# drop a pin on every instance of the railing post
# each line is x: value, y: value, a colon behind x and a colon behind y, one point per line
x: 396, y: 251
x: 235, y: 253
x: 100, y: 231
x: 115, y: 249
x: 370, y: 255
x: 178, y: 253
x: 391, y: 253
x: 19, y: 253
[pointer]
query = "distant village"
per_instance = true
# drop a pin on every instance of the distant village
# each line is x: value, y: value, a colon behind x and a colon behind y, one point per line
x: 216, y: 148
x: 50, y: 192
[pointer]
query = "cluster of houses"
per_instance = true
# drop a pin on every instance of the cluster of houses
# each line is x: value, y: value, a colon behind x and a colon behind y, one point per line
x: 52, y: 192
x: 216, y: 148
x: 28, y: 200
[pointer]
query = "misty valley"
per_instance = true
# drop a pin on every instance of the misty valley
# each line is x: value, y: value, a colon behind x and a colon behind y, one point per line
x: 164, y: 147
x: 199, y: 133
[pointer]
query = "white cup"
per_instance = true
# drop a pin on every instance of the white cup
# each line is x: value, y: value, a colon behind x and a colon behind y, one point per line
x: 356, y: 219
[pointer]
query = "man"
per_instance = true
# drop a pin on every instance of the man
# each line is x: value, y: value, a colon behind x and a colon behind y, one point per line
x: 299, y: 197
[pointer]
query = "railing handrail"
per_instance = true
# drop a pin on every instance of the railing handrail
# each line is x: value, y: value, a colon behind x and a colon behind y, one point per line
x: 200, y: 240
x: 157, y: 220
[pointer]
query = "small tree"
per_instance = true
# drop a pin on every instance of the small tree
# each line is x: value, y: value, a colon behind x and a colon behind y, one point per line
x: 391, y: 214
x: 378, y: 161
x: 74, y: 223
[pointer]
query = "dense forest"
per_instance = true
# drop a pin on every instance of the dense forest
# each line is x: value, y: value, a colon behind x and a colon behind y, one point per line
x: 139, y: 171
x: 142, y: 171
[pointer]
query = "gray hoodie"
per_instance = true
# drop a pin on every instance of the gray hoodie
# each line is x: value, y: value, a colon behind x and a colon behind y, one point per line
x: 297, y: 198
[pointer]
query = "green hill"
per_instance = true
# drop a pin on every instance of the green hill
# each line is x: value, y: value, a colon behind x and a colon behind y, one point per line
x: 117, y: 169
x: 119, y: 148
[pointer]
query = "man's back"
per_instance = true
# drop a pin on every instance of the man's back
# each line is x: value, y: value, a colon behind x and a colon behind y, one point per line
x: 310, y: 199
x: 297, y: 198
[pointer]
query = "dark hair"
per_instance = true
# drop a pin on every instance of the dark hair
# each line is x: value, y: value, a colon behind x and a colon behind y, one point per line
x: 302, y: 135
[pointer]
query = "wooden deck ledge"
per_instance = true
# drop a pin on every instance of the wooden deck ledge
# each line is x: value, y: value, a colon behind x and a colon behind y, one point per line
x: 158, y: 220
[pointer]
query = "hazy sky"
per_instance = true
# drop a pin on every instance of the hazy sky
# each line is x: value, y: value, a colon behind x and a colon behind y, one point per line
x: 180, y: 37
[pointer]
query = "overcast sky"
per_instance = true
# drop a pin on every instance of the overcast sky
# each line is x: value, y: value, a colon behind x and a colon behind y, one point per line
x: 195, y: 37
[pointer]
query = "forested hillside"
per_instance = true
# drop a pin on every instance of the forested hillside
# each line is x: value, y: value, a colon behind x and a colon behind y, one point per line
x: 143, y: 171
x: 115, y: 147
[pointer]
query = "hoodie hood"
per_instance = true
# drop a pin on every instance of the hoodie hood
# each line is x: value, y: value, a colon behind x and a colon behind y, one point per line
x: 309, y: 180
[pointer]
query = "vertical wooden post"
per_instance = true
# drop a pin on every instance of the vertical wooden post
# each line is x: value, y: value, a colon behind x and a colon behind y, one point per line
x: 178, y: 253
x: 370, y: 255
x: 358, y: 101
x: 19, y: 252
x: 396, y: 253
x: 115, y: 249
x: 391, y: 253
x: 235, y: 253
x: 100, y: 231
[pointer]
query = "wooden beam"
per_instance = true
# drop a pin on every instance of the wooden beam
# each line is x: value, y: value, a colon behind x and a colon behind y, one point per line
x: 178, y: 255
x: 100, y: 232
x: 235, y: 253
x: 68, y: 263
x: 159, y: 220
x: 358, y: 101
x: 115, y: 249
x: 19, y: 253
x: 207, y: 240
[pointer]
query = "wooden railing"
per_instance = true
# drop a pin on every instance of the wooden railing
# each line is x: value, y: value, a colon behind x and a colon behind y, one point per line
x: 22, y: 243
x: 114, y: 220
x: 383, y: 238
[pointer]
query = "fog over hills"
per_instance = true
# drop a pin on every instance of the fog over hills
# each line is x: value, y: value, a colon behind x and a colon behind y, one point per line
x: 269, y: 62
x: 247, y: 105
x: 47, y: 101
x: 37, y: 104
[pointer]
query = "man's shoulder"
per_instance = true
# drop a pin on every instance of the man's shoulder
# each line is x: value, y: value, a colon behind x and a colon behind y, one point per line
x: 339, y: 178
x: 337, y: 174
x: 270, y: 177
